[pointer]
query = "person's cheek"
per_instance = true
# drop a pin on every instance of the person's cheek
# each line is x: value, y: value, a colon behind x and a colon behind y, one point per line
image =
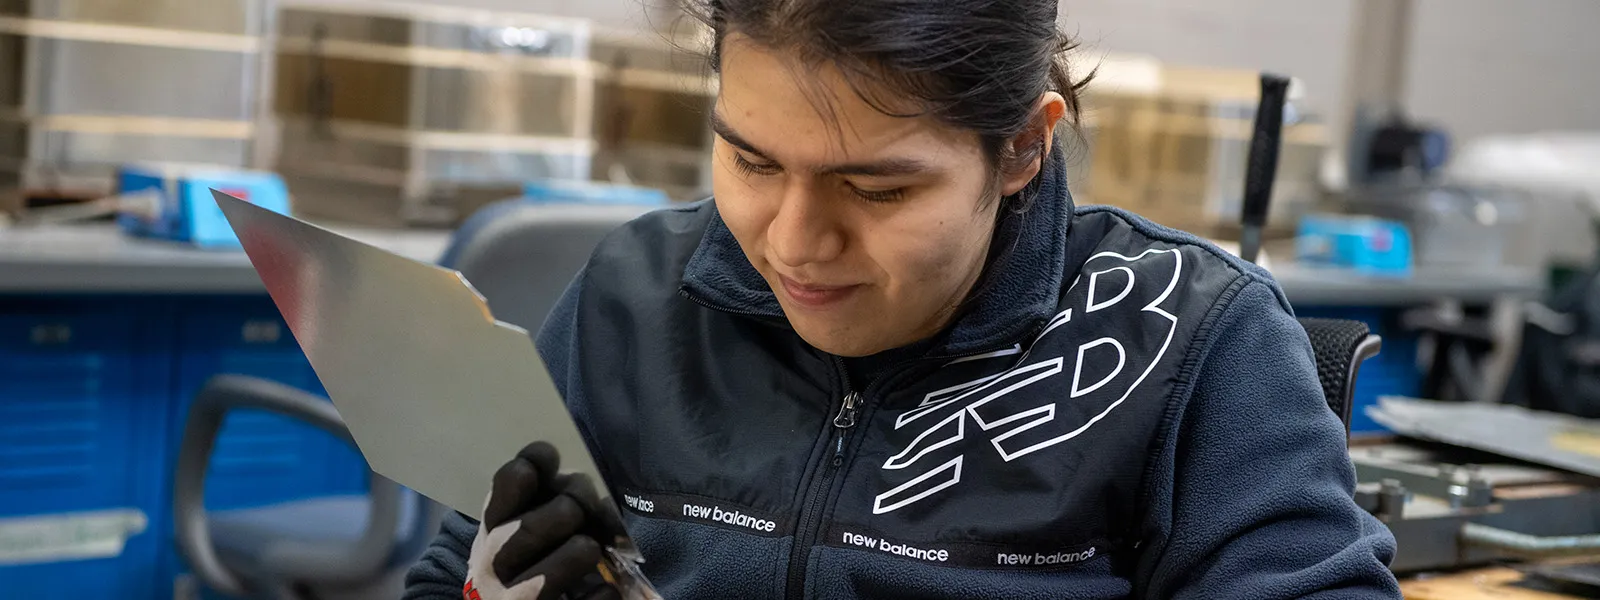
x: 935, y: 261
x: 742, y: 210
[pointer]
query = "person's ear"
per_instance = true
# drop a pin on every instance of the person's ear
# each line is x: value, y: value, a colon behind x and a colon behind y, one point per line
x: 1033, y: 143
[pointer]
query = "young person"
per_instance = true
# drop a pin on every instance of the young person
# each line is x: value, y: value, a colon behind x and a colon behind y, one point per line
x: 891, y: 359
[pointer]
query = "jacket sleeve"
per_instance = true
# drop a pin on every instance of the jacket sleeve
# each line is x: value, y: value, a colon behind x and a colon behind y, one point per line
x: 442, y: 571
x: 1256, y: 486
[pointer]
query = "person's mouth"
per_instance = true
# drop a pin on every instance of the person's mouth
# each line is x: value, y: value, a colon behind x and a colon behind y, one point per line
x: 816, y: 295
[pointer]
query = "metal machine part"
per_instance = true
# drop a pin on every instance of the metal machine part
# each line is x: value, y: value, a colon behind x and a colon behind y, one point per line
x: 1450, y: 507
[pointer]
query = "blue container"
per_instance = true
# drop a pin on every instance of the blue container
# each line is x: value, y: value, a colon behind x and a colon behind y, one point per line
x: 1362, y: 244
x: 82, y: 451
x: 1392, y: 372
x: 187, y: 211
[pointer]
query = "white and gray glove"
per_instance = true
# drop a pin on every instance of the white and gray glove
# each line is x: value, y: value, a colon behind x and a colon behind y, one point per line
x: 541, y: 534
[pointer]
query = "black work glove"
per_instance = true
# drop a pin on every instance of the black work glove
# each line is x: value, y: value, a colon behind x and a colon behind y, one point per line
x: 542, y: 534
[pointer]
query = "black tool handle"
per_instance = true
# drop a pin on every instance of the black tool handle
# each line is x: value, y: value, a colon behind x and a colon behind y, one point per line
x: 1263, y: 167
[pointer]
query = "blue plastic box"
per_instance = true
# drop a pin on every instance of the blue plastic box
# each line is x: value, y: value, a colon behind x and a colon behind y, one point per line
x: 187, y: 211
x: 1363, y: 244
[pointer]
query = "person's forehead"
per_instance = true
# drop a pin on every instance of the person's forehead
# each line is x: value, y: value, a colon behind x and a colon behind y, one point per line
x: 813, y: 113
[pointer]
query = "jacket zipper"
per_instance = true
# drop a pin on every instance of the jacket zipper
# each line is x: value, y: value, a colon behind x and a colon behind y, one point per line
x: 817, y: 494
x: 816, y: 498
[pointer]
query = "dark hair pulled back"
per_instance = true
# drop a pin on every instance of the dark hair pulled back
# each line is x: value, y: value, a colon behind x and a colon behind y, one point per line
x: 980, y: 65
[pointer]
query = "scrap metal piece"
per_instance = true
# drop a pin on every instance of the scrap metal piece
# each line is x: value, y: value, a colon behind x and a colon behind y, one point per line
x: 1586, y: 574
x: 436, y: 392
x: 1549, y: 439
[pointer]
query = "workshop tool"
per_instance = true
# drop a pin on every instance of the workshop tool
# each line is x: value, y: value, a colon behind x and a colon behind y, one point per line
x: 1262, y: 170
x: 183, y: 209
x: 170, y: 203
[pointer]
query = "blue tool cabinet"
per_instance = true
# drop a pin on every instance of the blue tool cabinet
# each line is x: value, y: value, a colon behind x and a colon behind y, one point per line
x: 83, y: 406
x: 93, y: 395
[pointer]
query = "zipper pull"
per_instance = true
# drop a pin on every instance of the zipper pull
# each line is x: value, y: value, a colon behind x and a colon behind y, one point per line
x: 844, y: 421
x: 847, y: 411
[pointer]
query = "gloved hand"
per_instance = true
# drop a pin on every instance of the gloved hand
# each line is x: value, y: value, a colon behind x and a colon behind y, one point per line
x: 541, y: 534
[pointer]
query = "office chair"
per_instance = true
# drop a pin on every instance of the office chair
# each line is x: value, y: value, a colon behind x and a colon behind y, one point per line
x: 1340, y: 346
x: 334, y: 547
x: 521, y: 257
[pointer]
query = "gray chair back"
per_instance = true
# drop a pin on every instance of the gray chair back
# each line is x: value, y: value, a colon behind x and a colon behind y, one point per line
x: 521, y: 256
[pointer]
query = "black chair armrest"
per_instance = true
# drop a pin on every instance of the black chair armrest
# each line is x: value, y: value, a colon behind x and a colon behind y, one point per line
x: 303, y: 563
x: 1340, y: 346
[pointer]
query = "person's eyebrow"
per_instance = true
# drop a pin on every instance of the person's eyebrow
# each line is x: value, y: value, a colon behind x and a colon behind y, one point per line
x: 724, y: 131
x: 893, y: 167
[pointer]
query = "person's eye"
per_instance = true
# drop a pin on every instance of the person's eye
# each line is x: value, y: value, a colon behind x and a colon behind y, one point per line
x: 749, y: 168
x: 879, y: 196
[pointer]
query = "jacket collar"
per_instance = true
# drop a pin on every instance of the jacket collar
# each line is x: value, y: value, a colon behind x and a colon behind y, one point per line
x: 1020, y: 291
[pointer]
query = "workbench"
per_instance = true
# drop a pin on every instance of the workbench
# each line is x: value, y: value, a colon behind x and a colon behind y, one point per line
x: 1494, y: 583
x: 99, y: 259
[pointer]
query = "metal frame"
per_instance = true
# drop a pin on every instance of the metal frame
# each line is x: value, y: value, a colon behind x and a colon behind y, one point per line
x: 1367, y: 348
x: 1446, y: 515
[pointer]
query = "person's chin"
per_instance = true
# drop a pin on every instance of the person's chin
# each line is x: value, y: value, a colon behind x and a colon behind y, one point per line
x: 851, y: 339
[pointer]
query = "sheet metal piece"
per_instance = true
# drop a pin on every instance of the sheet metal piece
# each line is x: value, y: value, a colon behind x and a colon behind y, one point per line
x: 1549, y: 439
x: 436, y: 392
x: 1586, y: 574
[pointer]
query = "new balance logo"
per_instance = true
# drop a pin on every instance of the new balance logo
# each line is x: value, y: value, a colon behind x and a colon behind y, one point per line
x: 1118, y: 351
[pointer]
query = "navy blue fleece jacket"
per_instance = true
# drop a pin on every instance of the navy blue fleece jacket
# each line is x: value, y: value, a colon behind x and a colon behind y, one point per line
x: 1126, y: 411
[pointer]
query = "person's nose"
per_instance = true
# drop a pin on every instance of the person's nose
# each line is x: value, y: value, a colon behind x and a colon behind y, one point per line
x: 805, y: 229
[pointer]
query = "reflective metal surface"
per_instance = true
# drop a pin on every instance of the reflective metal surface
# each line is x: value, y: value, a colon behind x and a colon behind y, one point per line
x: 435, y: 391
x: 1543, y: 438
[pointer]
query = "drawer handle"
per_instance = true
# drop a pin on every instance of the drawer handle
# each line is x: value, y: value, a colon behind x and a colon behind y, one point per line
x: 261, y: 332
x: 51, y: 335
